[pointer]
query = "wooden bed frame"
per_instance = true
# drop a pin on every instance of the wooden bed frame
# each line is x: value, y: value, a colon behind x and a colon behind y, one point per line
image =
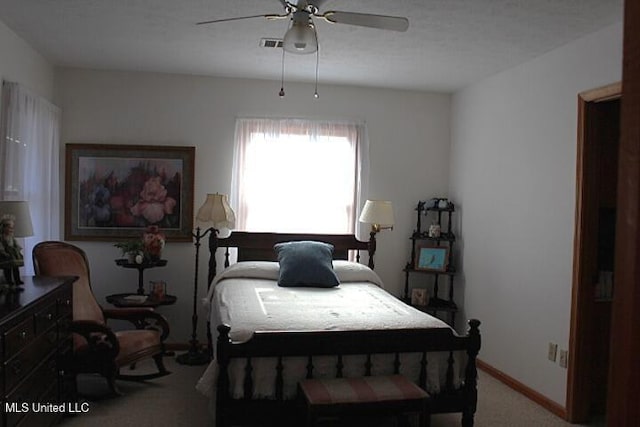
x: 310, y: 344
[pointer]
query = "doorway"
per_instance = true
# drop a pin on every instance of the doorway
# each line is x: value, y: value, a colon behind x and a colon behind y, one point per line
x: 596, y: 190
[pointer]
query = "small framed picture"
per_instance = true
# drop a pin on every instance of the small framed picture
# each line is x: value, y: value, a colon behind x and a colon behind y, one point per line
x: 419, y: 296
x: 157, y: 290
x: 431, y: 258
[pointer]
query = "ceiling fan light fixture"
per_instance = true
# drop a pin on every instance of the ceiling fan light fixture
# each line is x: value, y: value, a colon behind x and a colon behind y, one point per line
x: 300, y: 38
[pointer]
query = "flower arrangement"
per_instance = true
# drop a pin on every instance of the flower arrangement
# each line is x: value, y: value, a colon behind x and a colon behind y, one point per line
x: 149, y: 247
x: 153, y: 241
x: 131, y: 249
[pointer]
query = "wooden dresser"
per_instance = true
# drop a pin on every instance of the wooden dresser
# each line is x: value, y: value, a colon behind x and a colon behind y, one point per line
x: 34, y: 326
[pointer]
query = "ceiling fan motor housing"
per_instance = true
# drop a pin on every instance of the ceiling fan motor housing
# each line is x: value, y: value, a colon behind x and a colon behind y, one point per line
x: 301, y: 37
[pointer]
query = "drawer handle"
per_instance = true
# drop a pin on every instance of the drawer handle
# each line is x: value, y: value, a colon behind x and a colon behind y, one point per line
x: 23, y: 335
x: 48, y: 316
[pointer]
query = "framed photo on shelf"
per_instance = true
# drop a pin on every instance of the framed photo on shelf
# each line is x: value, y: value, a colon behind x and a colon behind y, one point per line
x: 419, y: 296
x: 431, y: 258
x: 117, y: 191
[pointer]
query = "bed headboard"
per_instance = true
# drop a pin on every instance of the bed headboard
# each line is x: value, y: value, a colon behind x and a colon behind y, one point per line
x: 253, y: 246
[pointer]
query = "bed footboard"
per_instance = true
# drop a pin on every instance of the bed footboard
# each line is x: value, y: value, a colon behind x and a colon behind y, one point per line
x: 338, y: 344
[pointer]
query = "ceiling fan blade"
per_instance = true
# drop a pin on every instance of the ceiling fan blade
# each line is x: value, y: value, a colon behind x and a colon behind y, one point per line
x: 394, y: 23
x: 267, y: 16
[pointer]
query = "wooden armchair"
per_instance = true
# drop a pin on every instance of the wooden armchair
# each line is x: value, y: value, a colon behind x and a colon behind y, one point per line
x: 97, y: 348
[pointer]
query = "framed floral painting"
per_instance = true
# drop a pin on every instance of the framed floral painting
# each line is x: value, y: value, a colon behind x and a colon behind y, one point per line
x: 117, y: 191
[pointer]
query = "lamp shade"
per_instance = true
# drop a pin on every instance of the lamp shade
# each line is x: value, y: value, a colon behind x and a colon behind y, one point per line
x: 216, y: 210
x: 19, y: 212
x: 377, y: 212
x: 301, y: 37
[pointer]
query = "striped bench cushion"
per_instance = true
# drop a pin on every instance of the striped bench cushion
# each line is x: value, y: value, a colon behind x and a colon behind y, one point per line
x: 361, y: 390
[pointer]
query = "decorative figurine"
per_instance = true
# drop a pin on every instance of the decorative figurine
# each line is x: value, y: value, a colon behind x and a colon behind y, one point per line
x: 11, y: 257
x: 434, y: 230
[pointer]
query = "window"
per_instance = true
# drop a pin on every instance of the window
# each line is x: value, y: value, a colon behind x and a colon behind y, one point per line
x: 298, y: 175
x: 29, y: 164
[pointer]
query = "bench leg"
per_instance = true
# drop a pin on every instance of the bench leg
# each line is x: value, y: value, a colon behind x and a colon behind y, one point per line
x: 311, y: 419
x: 402, y: 420
x: 424, y: 419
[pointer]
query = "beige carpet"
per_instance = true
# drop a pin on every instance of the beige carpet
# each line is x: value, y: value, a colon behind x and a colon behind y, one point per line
x: 173, y: 401
x: 167, y: 401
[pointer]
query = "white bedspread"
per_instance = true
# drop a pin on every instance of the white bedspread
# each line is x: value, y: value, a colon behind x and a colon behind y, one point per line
x: 246, y: 297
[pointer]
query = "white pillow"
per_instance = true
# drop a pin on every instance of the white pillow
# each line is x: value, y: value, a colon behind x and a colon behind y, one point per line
x: 348, y: 271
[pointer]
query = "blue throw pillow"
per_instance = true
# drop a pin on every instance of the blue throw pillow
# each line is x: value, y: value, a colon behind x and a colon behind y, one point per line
x: 306, y: 263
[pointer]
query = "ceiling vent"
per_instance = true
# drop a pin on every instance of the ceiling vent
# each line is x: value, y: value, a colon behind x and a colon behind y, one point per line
x: 274, y: 43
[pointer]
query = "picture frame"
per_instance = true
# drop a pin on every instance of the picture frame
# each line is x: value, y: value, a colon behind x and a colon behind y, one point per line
x: 419, y: 296
x: 431, y: 258
x: 114, y: 192
x: 157, y: 290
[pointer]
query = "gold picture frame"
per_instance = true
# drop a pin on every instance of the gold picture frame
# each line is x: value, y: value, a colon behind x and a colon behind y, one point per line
x: 117, y: 191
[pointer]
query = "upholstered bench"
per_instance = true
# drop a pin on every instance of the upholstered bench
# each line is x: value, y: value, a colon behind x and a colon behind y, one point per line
x: 376, y: 395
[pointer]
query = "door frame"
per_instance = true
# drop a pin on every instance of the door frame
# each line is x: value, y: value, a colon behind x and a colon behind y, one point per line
x: 580, y: 336
x: 624, y: 372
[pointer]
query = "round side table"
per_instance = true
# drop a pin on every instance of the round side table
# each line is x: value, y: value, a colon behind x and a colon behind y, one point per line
x: 136, y: 300
x: 122, y: 262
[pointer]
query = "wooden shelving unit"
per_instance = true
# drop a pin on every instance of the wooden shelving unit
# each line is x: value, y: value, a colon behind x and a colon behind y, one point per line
x: 438, y: 213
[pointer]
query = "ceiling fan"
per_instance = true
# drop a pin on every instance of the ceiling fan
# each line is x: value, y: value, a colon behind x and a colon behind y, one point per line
x: 301, y: 36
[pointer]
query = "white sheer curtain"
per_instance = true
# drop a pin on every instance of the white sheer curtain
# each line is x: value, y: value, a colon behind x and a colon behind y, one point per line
x: 295, y: 175
x: 29, y: 161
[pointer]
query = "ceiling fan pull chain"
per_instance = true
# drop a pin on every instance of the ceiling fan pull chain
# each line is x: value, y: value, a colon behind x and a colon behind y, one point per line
x: 315, y: 94
x: 281, y: 93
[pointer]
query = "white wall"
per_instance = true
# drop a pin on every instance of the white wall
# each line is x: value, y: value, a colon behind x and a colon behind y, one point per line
x: 22, y: 64
x: 513, y: 173
x: 409, y: 149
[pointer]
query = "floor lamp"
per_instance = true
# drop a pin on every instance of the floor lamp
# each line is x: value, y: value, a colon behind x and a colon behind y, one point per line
x: 217, y: 212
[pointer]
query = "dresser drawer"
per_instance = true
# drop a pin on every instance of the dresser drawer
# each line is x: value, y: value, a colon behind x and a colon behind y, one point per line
x: 46, y: 318
x: 22, y: 363
x: 33, y: 389
x: 35, y: 347
x: 64, y: 328
x: 18, y: 337
x: 39, y: 419
x: 64, y: 303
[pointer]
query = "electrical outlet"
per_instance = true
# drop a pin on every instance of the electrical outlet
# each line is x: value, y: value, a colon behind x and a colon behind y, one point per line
x: 553, y: 351
x: 564, y: 355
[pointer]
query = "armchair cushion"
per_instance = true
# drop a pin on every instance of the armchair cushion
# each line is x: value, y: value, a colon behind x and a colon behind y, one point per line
x: 141, y: 318
x: 94, y: 337
x: 135, y: 344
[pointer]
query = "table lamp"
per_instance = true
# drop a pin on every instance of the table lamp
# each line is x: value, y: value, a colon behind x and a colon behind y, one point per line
x: 217, y: 212
x: 378, y: 213
x: 15, y: 222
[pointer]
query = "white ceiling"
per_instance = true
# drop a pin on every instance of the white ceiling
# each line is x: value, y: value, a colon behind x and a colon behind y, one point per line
x: 449, y: 44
